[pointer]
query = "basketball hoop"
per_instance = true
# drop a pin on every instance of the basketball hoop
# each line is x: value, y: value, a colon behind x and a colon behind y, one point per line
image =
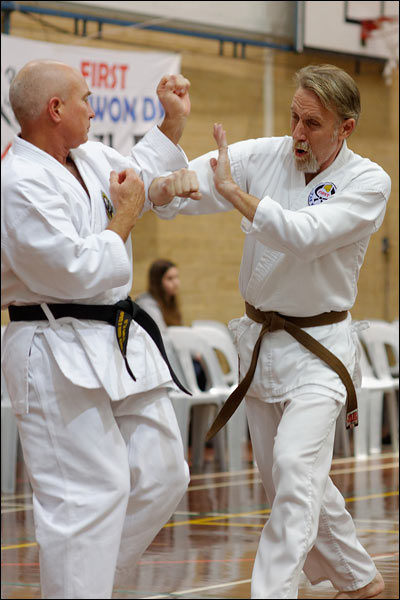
x: 370, y: 25
x: 387, y: 30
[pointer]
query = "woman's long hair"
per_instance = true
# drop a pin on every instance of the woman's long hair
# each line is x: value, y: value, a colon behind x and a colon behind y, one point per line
x: 169, y: 305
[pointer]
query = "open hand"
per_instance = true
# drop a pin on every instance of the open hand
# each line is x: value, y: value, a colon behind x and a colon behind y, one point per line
x: 221, y: 168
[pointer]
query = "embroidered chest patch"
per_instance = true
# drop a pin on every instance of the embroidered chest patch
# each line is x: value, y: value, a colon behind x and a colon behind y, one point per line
x: 321, y: 192
x: 108, y: 205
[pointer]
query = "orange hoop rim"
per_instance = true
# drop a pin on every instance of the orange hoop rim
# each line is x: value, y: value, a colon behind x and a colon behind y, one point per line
x: 370, y: 25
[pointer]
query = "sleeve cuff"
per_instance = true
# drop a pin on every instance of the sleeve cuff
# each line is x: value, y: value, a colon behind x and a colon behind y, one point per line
x: 174, y: 157
x: 121, y: 263
x: 168, y: 211
x: 260, y: 216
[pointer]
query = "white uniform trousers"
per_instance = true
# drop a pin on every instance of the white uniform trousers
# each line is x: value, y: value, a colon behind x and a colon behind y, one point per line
x: 308, y: 528
x: 105, y: 475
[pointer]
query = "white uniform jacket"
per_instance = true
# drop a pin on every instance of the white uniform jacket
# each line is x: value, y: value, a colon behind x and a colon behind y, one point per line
x: 302, y: 252
x: 55, y: 249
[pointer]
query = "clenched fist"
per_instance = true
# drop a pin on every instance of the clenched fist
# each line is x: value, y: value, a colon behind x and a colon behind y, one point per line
x: 128, y: 196
x: 182, y: 183
x: 173, y: 92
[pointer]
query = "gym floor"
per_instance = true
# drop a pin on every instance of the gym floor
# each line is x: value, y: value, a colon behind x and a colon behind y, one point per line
x: 207, y: 548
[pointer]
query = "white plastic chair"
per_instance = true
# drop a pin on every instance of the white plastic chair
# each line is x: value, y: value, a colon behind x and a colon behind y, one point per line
x: 394, y: 369
x: 217, y: 335
x: 379, y: 335
x: 189, y: 343
x: 9, y: 439
x: 211, y: 323
x: 205, y: 404
x: 367, y: 436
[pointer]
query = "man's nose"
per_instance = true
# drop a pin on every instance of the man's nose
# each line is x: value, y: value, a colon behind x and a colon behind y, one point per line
x: 299, y: 132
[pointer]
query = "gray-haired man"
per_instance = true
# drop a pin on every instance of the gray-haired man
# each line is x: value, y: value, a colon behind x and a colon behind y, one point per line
x: 309, y: 207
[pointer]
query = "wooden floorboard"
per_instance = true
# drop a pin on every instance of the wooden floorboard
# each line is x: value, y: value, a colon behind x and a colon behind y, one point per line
x: 207, y: 548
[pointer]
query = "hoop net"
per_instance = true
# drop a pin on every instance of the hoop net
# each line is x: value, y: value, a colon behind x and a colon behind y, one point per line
x: 385, y: 29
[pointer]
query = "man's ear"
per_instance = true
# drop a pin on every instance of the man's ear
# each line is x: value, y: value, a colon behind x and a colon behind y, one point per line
x: 54, y: 108
x: 347, y: 128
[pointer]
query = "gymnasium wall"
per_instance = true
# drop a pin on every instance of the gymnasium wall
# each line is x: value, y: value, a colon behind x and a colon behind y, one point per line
x: 208, y: 249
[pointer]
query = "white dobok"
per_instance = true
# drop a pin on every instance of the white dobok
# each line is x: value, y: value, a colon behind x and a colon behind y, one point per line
x: 55, y: 248
x: 302, y: 256
x: 103, y: 452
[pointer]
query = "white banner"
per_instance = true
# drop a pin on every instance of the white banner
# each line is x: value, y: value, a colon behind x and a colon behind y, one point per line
x: 123, y: 86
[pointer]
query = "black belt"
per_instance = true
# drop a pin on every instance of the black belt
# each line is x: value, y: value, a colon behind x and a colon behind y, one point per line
x: 119, y: 315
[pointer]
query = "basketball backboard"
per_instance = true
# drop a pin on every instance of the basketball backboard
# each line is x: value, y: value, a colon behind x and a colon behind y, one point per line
x: 337, y: 27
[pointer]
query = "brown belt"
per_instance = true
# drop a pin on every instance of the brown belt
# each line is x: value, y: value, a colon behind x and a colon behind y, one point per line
x: 273, y: 321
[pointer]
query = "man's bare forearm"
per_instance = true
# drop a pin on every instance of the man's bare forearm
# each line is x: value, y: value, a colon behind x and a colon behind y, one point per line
x: 173, y: 128
x: 243, y: 202
x: 173, y: 93
x: 121, y: 225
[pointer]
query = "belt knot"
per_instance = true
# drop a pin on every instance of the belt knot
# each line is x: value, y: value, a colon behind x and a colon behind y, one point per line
x: 273, y: 321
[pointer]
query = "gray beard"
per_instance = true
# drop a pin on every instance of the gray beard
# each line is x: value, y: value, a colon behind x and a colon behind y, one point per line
x: 309, y: 165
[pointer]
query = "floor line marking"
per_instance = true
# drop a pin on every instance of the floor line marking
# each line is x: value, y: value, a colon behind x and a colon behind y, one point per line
x: 206, y: 520
x: 18, y: 584
x: 335, y: 461
x: 367, y: 458
x: 209, y: 519
x: 373, y: 457
x: 371, y: 519
x: 15, y: 497
x: 261, y: 525
x: 143, y: 563
x: 210, y: 486
x: 201, y: 589
x: 383, y: 556
x: 377, y: 530
x: 19, y: 564
x: 224, y: 474
x: 194, y: 560
x: 16, y: 509
x: 14, y: 546
x: 364, y: 468
x: 372, y: 496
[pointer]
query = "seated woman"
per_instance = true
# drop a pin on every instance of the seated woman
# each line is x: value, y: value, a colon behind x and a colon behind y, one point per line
x: 161, y: 303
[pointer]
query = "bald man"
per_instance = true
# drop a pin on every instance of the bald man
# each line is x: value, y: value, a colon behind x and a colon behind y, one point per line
x: 101, y: 443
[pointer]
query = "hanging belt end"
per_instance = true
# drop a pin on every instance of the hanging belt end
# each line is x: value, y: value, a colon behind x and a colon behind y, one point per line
x: 215, y: 427
x: 210, y: 434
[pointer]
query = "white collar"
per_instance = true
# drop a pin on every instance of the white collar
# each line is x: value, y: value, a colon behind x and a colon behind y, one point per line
x: 27, y: 150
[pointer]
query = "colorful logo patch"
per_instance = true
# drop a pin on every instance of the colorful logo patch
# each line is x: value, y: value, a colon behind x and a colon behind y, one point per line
x: 321, y: 192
